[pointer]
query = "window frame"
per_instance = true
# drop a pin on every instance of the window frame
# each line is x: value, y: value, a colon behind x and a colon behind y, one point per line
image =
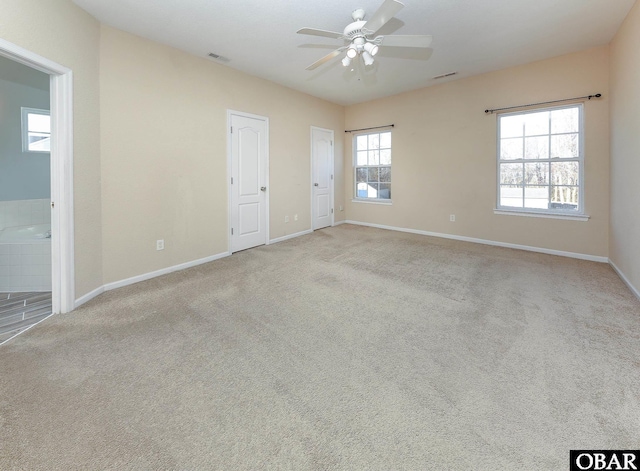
x: 578, y: 214
x: 24, y: 119
x: 354, y: 152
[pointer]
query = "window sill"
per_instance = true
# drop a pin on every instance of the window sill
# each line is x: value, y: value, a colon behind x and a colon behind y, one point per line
x: 372, y: 201
x: 536, y: 214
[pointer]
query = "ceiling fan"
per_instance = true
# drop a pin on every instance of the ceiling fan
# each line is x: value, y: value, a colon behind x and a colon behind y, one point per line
x: 360, y: 39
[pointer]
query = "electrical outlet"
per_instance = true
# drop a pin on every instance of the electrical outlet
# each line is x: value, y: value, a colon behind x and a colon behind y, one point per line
x: 295, y: 217
x: 160, y: 244
x: 341, y: 208
x: 452, y: 217
x: 286, y: 219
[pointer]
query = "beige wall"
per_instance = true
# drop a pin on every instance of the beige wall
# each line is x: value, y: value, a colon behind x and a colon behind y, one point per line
x: 155, y: 167
x: 164, y: 153
x: 624, y: 246
x: 63, y: 33
x: 444, y: 154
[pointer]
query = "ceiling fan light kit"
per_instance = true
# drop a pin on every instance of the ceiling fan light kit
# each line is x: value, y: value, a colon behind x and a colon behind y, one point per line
x: 360, y: 39
x: 367, y: 58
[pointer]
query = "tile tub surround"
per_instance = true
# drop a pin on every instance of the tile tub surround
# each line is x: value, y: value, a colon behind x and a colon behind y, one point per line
x: 24, y: 212
x: 25, y: 267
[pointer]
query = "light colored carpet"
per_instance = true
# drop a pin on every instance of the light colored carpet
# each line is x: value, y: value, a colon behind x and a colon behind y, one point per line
x: 350, y: 348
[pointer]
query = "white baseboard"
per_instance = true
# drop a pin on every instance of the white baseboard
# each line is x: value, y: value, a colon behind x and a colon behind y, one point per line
x: 622, y: 276
x: 593, y: 258
x: 146, y: 276
x: 88, y: 297
x: 290, y: 236
x: 163, y: 271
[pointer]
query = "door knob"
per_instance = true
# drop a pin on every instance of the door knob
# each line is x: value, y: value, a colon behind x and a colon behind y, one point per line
x: 263, y: 188
x: 315, y: 184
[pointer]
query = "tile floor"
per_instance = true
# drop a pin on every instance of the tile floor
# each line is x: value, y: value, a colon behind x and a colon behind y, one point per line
x: 19, y: 311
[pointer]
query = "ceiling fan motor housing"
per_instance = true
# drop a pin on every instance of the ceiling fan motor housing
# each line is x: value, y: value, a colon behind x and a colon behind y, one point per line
x: 354, y: 30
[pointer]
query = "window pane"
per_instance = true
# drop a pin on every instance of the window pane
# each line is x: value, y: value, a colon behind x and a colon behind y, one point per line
x: 567, y: 120
x: 511, y: 195
x: 511, y: 126
x: 38, y: 142
x: 39, y: 123
x: 511, y: 174
x: 372, y: 190
x: 564, y: 197
x: 361, y: 190
x: 565, y: 173
x: 385, y: 140
x: 373, y: 175
x: 361, y: 175
x: 385, y: 157
x: 385, y: 174
x: 374, y: 141
x: 361, y: 143
x: 385, y: 191
x: 536, y: 197
x: 536, y: 173
x: 564, y: 146
x: 536, y: 123
x: 361, y: 159
x: 374, y: 157
x: 536, y: 148
x: 511, y: 149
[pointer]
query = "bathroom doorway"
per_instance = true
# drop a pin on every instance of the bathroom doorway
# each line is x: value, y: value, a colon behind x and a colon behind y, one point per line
x: 36, y: 206
x: 25, y: 197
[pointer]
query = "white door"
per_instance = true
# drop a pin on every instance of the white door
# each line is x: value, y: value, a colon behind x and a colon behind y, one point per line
x: 249, y: 136
x: 322, y: 177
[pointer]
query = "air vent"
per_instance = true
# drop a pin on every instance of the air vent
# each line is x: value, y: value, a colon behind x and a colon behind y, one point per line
x: 444, y: 75
x: 218, y: 57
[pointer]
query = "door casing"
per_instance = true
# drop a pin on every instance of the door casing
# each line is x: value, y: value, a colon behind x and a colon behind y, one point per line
x: 61, y: 158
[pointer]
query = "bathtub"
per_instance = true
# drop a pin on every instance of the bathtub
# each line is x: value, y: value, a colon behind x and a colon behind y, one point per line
x: 25, y: 258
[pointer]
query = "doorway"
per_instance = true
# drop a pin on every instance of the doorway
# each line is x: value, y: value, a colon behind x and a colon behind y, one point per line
x: 321, y: 178
x: 248, y: 180
x: 60, y: 145
x: 25, y: 197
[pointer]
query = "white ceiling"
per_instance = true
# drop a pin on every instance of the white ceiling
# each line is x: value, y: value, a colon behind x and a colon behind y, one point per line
x: 470, y: 37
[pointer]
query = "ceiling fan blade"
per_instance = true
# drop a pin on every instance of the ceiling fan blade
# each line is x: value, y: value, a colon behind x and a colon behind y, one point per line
x: 320, y: 32
x: 386, y: 11
x: 405, y: 40
x: 326, y: 58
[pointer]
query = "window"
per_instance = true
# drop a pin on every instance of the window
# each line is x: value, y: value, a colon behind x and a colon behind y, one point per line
x: 373, y: 166
x: 540, y: 161
x: 36, y: 130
